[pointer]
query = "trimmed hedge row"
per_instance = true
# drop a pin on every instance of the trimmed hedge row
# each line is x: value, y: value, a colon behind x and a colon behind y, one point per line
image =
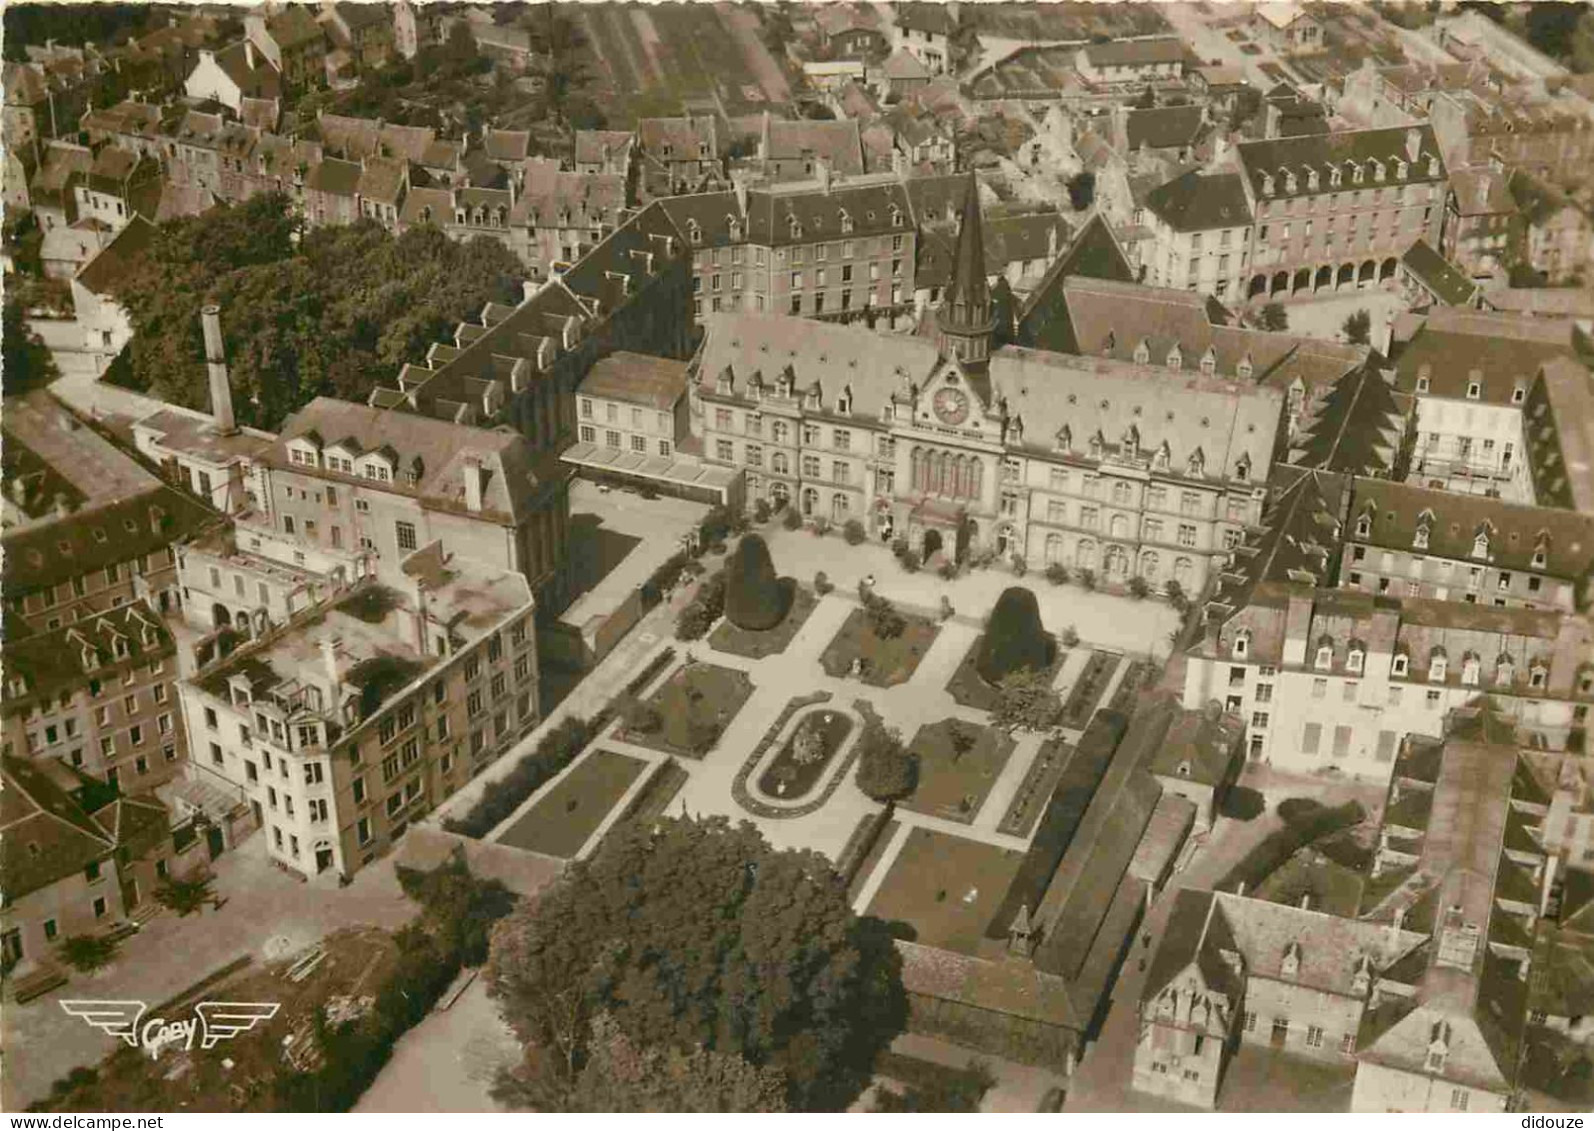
x: 1305, y: 822
x: 556, y: 750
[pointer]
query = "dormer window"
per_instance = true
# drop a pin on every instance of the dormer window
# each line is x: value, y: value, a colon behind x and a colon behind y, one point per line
x: 1541, y: 553
x: 1474, y: 390
x: 1096, y: 444
x: 1311, y: 180
x: 1142, y: 352
x: 1197, y: 464
x: 1438, y: 666
x: 1245, y: 368
x: 1364, y: 526
x: 1209, y: 363
x: 1419, y: 539
x: 1400, y: 169
x: 1538, y: 674
x: 1290, y: 966
x: 1175, y: 358
x: 1378, y: 170
x: 1519, y: 393
x: 1505, y: 670
x: 694, y: 234
x: 1065, y: 439
x: 1325, y: 656
x: 896, y: 216
x: 1354, y: 659
x: 1433, y: 166
x: 846, y: 222
x: 1358, y: 176
x: 1242, y: 469
x: 1480, y: 545
x: 1471, y: 668
x: 1401, y: 665
x: 1424, y: 377
x: 1015, y: 431
x: 1334, y: 177
x: 1289, y: 182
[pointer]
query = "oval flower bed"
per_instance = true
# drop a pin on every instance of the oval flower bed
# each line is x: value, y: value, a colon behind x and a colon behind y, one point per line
x: 801, y: 762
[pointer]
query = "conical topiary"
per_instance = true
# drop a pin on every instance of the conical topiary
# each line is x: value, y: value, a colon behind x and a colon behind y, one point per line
x: 754, y: 597
x: 1014, y: 637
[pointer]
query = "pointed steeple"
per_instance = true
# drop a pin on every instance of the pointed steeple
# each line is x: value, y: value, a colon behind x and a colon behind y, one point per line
x: 966, y: 318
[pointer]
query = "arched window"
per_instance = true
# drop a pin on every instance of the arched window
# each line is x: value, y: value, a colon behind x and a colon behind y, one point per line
x: 1182, y: 569
x: 1054, y: 549
x: 1085, y: 554
x: 1120, y: 493
x: 779, y: 464
x: 1117, y: 562
x: 1118, y: 527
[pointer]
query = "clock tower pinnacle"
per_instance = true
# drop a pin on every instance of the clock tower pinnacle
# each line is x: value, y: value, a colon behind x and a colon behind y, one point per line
x: 966, y: 319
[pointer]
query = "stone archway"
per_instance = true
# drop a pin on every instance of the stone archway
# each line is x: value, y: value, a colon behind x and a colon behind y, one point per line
x: 932, y: 544
x: 219, y: 616
x: 1302, y: 281
x: 1258, y: 287
x: 1386, y: 270
x: 1281, y: 283
x: 1367, y: 273
x: 1346, y: 276
x: 1323, y: 278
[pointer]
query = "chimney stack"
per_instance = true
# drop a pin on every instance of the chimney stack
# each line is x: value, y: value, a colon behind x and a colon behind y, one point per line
x: 216, y: 361
x: 249, y: 53
x: 473, y: 484
x: 1272, y: 123
x: 329, y: 657
x: 1413, y: 144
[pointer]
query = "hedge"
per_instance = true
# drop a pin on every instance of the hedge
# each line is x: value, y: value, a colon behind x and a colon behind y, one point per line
x: 1014, y: 637
x: 1302, y: 826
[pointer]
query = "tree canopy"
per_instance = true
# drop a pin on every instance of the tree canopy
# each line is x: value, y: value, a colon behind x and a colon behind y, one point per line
x: 26, y: 364
x: 336, y: 315
x: 1358, y: 328
x: 1014, y: 637
x: 754, y: 597
x: 698, y: 935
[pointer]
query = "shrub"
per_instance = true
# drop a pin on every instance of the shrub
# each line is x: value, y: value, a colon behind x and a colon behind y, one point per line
x: 761, y: 511
x: 948, y: 571
x: 649, y: 492
x: 665, y: 577
x: 185, y: 896
x: 694, y: 622
x: 642, y: 717
x: 715, y: 526
x: 1026, y: 701
x: 910, y: 560
x: 1057, y: 573
x: 899, y: 546
x: 886, y: 771
x: 1087, y: 578
x: 754, y: 597
x: 791, y: 520
x: 822, y: 583
x: 1242, y: 803
x: 1296, y: 810
x: 854, y: 532
x: 820, y: 526
x: 1020, y: 566
x: 88, y: 953
x: 1070, y: 637
x: 1138, y: 589
x: 884, y: 619
x: 1176, y: 596
x: 1014, y: 638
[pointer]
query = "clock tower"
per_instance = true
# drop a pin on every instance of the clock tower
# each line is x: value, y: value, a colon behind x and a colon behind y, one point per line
x: 966, y: 318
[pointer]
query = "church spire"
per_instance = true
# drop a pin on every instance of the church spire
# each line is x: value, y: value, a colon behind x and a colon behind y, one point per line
x: 966, y: 318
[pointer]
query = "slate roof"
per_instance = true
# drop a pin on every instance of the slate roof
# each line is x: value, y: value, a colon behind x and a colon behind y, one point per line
x: 417, y: 202
x: 62, y: 162
x: 259, y: 81
x: 769, y: 218
x: 1482, y: 192
x: 1568, y: 390
x: 1346, y: 150
x: 933, y: 18
x: 1200, y: 203
x: 593, y: 146
x: 903, y: 66
x: 333, y: 177
x: 353, y: 138
x: 1198, y: 746
x: 45, y: 836
x: 53, y: 661
x: 657, y: 382
x: 437, y: 448
x: 1008, y: 239
x: 1297, y: 544
x: 293, y: 26
x: 90, y: 540
x: 1449, y: 346
x: 837, y: 142
x: 1135, y: 52
x: 1454, y: 520
x: 552, y: 197
x: 683, y: 136
x: 1358, y: 429
x: 101, y: 274
x: 1329, y: 947
x: 1443, y: 279
x: 1164, y: 127
x: 382, y: 180
x: 507, y: 145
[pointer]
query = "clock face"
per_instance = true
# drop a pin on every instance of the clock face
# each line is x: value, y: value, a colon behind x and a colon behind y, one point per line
x: 951, y: 405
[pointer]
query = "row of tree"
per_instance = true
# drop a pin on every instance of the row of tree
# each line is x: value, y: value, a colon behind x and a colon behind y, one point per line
x: 333, y: 311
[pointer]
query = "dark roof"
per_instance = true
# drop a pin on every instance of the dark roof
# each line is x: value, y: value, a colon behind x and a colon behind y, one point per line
x: 1135, y: 52
x: 1452, y: 347
x: 293, y: 26
x: 770, y: 216
x: 51, y: 553
x: 363, y: 15
x: 1358, y: 430
x: 106, y: 270
x: 658, y: 382
x: 1347, y: 150
x: 934, y: 18
x: 1296, y: 544
x: 1164, y: 127
x: 1198, y: 746
x: 1454, y: 521
x: 44, y: 835
x: 258, y: 81
x: 1197, y: 203
x: 1444, y: 280
x: 68, y: 657
x: 968, y: 295
x: 1095, y: 253
x: 334, y: 177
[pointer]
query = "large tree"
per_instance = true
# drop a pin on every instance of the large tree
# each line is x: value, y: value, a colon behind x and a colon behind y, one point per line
x: 1014, y: 638
x: 754, y: 597
x: 337, y: 314
x: 26, y: 364
x: 697, y: 935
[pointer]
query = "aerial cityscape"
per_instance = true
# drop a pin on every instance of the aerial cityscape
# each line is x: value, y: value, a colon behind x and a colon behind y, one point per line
x: 797, y: 557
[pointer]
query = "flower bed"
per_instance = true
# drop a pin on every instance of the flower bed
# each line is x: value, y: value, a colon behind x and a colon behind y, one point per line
x: 884, y: 662
x: 801, y: 762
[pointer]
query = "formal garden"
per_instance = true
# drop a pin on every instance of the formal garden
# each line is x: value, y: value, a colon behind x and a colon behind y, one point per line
x: 945, y: 888
x: 687, y: 715
x: 567, y: 815
x: 807, y: 751
x: 958, y: 762
x: 879, y: 644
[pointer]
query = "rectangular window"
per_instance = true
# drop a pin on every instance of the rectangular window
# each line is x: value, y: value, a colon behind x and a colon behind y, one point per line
x: 1311, y: 738
x: 405, y: 532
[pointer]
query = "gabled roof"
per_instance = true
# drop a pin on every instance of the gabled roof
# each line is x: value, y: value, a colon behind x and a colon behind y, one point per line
x: 1443, y: 279
x: 1164, y: 127
x: 1449, y: 345
x: 334, y: 177
x: 1268, y: 163
x: 293, y: 26
x: 1483, y: 192
x: 45, y: 836
x: 656, y: 382
x: 251, y: 72
x: 506, y: 145
x: 53, y: 661
x: 1135, y: 52
x: 1296, y: 545
x: 1200, y: 203
x: 595, y: 146
x: 903, y: 66
x: 101, y: 274
x: 1358, y: 429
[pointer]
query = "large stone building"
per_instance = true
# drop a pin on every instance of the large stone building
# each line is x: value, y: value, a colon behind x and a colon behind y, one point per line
x: 1122, y: 468
x: 1330, y: 678
x: 1336, y: 211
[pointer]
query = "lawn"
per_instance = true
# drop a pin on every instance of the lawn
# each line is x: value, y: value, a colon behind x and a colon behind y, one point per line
x: 953, y: 782
x: 969, y: 689
x: 946, y: 888
x: 886, y: 663
x: 807, y: 751
x: 1329, y: 886
x: 570, y: 812
x: 1039, y: 781
x: 770, y: 642
x: 694, y: 707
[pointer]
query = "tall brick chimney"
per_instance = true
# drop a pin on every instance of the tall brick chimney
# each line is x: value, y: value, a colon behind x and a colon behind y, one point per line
x: 216, y: 362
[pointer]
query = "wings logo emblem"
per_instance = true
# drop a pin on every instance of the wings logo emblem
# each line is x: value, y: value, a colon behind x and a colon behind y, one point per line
x: 222, y: 1020
x: 212, y: 1022
x: 118, y: 1018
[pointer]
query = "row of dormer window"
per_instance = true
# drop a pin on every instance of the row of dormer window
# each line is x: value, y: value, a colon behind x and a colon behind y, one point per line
x: 1336, y: 179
